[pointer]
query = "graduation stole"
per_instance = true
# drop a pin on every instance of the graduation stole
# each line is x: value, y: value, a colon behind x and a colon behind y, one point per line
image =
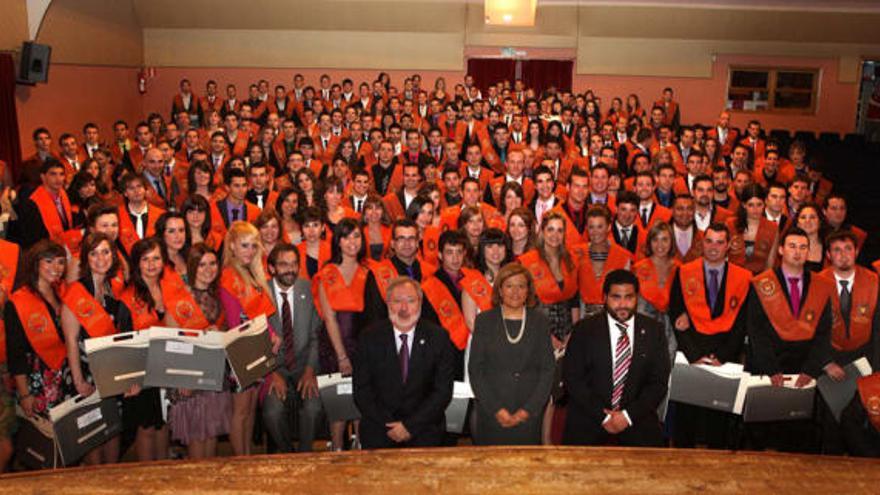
x: 789, y: 327
x: 448, y: 311
x: 590, y: 285
x: 71, y: 238
x: 693, y: 286
x: 254, y: 300
x: 39, y: 327
x: 546, y: 288
x: 142, y: 317
x: 179, y: 302
x: 384, y: 272
x: 128, y: 235
x: 90, y: 314
x: 767, y: 232
x: 476, y: 286
x: 8, y: 268
x: 869, y: 393
x: 340, y: 296
x: 430, y: 243
x: 863, y: 303
x: 649, y: 283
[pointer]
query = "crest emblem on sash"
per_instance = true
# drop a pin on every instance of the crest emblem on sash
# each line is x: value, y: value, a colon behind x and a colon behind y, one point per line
x: 539, y: 272
x: 763, y: 245
x: 432, y: 245
x: 385, y: 273
x: 331, y: 279
x: 37, y: 323
x: 767, y: 287
x: 479, y: 289
x: 85, y: 309
x: 447, y: 309
x: 863, y: 309
x: 691, y: 286
x: 734, y: 302
x: 736, y: 243
x: 873, y: 405
x: 4, y: 272
x: 810, y: 315
x: 184, y: 309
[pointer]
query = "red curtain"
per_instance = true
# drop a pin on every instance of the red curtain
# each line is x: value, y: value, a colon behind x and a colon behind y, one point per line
x: 488, y: 71
x: 541, y: 74
x: 10, y: 146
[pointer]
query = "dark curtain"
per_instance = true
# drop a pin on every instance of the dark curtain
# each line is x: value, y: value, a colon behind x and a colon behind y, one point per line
x: 488, y: 71
x: 10, y: 147
x: 541, y: 74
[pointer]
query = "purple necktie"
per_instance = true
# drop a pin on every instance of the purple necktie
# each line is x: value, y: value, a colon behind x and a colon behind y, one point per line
x: 404, y: 357
x: 795, y: 293
x: 713, y: 288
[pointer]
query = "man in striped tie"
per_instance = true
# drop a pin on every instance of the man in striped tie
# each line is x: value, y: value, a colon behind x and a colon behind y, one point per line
x: 616, y: 371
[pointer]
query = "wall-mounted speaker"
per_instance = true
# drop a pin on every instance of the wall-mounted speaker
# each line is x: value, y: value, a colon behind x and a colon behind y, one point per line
x: 34, y: 66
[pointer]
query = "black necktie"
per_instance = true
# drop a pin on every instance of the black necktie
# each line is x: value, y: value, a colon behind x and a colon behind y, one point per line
x: 235, y: 214
x: 845, y: 303
x: 159, y: 188
x: 358, y: 204
x: 645, y: 216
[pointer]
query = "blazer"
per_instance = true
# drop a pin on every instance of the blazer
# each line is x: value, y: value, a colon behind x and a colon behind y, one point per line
x: 511, y: 376
x: 306, y: 324
x: 382, y: 397
x: 587, y: 371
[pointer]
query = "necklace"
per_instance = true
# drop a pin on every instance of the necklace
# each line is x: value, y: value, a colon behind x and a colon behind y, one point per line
x: 522, y: 327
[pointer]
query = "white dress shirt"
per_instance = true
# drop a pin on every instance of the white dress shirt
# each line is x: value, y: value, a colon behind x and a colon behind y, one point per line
x: 850, y: 281
x: 409, y: 341
x: 280, y: 297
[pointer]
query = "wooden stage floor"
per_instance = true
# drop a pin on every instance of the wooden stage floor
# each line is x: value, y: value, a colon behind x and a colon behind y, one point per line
x: 465, y: 470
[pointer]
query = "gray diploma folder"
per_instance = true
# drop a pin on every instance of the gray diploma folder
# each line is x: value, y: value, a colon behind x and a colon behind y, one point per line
x: 456, y: 411
x: 118, y: 361
x: 721, y: 388
x: 188, y: 359
x: 249, y: 351
x: 82, y: 423
x: 837, y: 395
x: 764, y: 402
x: 337, y: 397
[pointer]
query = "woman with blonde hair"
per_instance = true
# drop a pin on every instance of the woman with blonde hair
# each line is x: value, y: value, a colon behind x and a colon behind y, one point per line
x: 244, y: 295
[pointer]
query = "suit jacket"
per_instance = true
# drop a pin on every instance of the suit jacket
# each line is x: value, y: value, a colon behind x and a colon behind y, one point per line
x: 305, y: 329
x: 382, y: 397
x: 587, y: 371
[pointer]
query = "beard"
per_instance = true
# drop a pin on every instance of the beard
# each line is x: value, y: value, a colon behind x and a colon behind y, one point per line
x: 286, y: 279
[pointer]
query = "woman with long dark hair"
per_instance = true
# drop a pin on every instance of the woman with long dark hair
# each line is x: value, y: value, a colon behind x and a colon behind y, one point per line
x: 339, y: 292
x: 91, y: 309
x: 753, y: 238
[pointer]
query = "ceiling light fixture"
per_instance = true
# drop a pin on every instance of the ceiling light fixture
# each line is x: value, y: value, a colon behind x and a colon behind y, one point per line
x: 510, y: 12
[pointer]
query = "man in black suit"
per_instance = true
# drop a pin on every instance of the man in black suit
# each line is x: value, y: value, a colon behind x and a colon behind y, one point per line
x: 235, y: 206
x: 616, y: 371
x: 545, y: 193
x: 626, y: 231
x: 403, y: 374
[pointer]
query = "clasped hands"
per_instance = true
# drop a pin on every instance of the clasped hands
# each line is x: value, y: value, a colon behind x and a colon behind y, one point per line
x: 397, y: 432
x: 779, y: 380
x: 616, y: 421
x: 507, y: 420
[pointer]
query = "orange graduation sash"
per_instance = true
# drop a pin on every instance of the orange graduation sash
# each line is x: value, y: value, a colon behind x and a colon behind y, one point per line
x: 384, y: 272
x: 869, y: 394
x: 72, y: 238
x: 179, y: 302
x: 590, y: 285
x: 693, y: 285
x: 448, y: 311
x: 789, y: 327
x: 649, y: 283
x: 764, y: 238
x: 254, y: 301
x: 476, y: 286
x: 546, y: 288
x: 863, y: 303
x: 8, y: 268
x: 142, y: 317
x: 128, y: 234
x: 431, y: 244
x: 39, y: 328
x: 88, y: 312
x: 340, y: 296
